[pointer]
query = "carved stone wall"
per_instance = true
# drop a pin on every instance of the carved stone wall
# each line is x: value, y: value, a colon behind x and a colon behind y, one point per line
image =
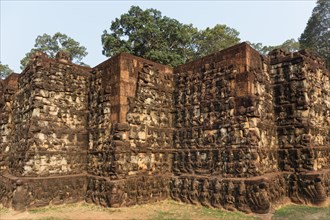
x: 130, y: 125
x: 301, y: 91
x: 233, y: 129
x: 224, y: 116
x: 48, y: 137
x: 8, y: 88
x: 225, y: 129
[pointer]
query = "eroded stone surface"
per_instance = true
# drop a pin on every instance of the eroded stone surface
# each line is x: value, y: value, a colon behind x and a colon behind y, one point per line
x: 234, y: 129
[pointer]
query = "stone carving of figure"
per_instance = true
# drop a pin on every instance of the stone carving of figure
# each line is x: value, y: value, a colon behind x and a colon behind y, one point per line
x: 185, y: 190
x: 175, y: 189
x: 189, y: 164
x: 258, y: 198
x: 216, y: 197
x: 117, y: 196
x: 210, y: 162
x: 103, y: 194
x: 175, y: 166
x: 204, y: 196
x: 229, y: 198
x: 20, y: 195
x: 241, y: 203
x: 193, y: 193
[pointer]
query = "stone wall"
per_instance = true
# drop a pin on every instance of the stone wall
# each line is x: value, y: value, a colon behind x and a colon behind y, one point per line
x: 301, y: 91
x: 224, y: 115
x: 50, y: 136
x: 225, y: 129
x: 48, y: 139
x: 103, y: 110
x: 234, y: 129
x: 130, y: 127
x: 8, y: 88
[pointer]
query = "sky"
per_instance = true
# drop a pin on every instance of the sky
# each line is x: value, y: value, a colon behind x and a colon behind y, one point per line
x: 267, y: 22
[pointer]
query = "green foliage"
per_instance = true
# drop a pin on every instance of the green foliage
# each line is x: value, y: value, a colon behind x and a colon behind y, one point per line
x: 148, y: 34
x: 4, y: 70
x: 290, y: 45
x: 53, y: 44
x: 316, y: 36
x: 215, y: 39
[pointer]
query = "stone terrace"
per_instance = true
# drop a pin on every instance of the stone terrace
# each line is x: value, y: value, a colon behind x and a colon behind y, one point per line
x: 233, y: 130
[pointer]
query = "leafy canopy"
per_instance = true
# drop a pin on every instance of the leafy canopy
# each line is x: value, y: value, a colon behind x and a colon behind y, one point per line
x: 4, y: 70
x: 290, y: 45
x: 316, y: 36
x: 148, y: 34
x: 215, y: 39
x: 53, y: 44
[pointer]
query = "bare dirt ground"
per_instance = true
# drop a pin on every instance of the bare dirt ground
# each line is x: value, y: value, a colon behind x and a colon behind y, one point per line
x: 167, y: 209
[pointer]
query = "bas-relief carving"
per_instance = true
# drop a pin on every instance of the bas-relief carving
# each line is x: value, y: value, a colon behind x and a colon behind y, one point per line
x: 216, y: 132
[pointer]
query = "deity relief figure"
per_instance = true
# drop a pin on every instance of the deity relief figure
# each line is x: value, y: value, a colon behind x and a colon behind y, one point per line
x: 175, y: 189
x: 241, y: 203
x: 194, y: 192
x: 258, y: 198
x: 216, y: 196
x: 185, y: 190
x: 117, y: 196
x: 189, y: 163
x: 229, y: 199
x: 204, y: 196
x: 19, y: 196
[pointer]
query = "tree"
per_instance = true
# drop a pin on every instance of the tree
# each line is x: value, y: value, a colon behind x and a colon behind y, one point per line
x: 290, y: 45
x: 4, y: 70
x: 53, y: 44
x: 148, y: 34
x: 215, y: 39
x: 316, y: 36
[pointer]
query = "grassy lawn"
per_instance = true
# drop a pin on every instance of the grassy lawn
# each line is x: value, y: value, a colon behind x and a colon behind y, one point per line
x: 300, y: 212
x: 168, y: 209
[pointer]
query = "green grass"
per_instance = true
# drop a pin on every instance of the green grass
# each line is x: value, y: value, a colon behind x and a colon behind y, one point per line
x: 3, y: 210
x: 301, y: 212
x: 222, y: 214
x: 165, y: 215
x: 183, y: 211
x: 172, y: 210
